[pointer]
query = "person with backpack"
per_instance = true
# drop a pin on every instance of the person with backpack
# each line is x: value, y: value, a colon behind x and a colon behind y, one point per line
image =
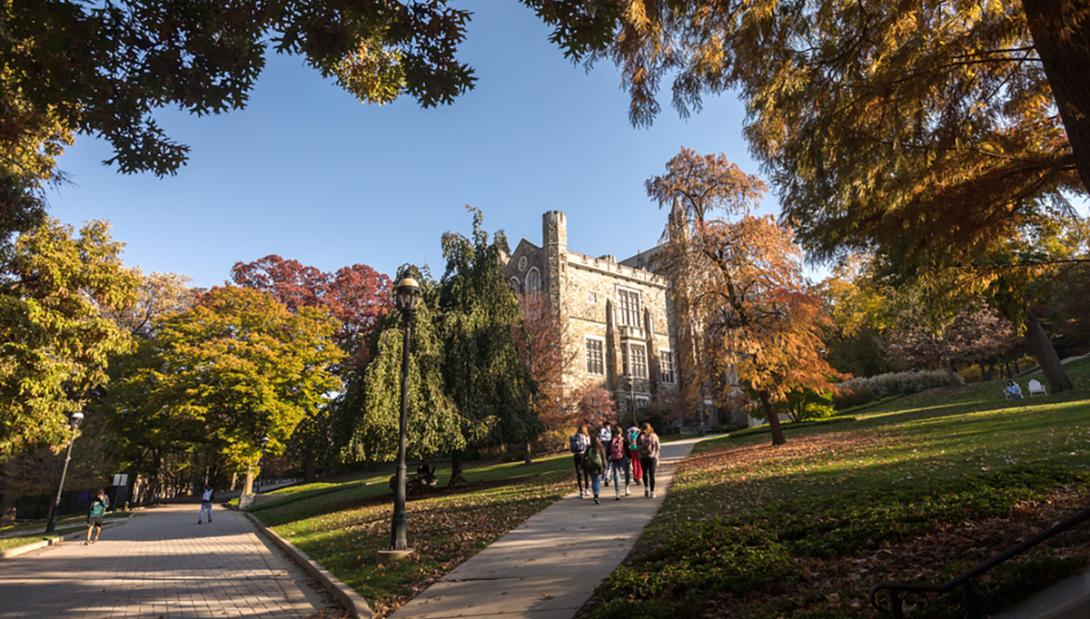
x: 632, y: 438
x: 605, y: 435
x: 649, y: 458
x: 206, y: 504
x: 580, y: 441
x: 594, y: 464
x: 618, y: 461
x: 96, y: 513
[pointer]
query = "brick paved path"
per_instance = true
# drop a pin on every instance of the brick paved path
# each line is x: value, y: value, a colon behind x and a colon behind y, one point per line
x: 162, y: 564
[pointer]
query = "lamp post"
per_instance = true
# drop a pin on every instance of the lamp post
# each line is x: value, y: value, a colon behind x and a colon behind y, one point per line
x: 73, y: 422
x: 407, y: 297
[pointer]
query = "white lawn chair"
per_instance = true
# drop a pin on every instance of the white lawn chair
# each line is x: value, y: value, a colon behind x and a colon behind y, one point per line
x: 1035, y: 387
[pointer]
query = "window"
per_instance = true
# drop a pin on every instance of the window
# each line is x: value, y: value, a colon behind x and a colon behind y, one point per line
x: 629, y: 302
x: 515, y: 285
x: 592, y: 298
x: 636, y: 361
x: 533, y: 281
x: 666, y: 366
x: 522, y: 264
x: 595, y: 357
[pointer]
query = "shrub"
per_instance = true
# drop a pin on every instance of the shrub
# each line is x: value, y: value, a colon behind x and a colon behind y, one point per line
x: 862, y: 390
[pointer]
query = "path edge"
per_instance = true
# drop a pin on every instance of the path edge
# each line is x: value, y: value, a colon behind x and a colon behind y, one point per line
x: 342, y: 593
x: 11, y: 553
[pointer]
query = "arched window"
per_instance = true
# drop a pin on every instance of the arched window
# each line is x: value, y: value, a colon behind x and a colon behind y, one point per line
x: 515, y: 285
x: 533, y: 281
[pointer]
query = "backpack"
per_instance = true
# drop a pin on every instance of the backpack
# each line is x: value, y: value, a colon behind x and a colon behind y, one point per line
x: 634, y: 439
x: 577, y: 443
x: 616, y: 448
x: 593, y: 463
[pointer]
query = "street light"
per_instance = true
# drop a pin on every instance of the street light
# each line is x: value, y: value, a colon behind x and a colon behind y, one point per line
x: 73, y: 422
x: 407, y: 297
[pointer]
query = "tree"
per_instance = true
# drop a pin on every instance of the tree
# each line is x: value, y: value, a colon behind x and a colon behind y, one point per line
x: 594, y: 405
x: 104, y: 69
x: 55, y: 335
x: 540, y: 337
x: 247, y: 369
x: 913, y: 127
x: 764, y: 326
x: 434, y: 424
x: 483, y: 373
x: 358, y: 297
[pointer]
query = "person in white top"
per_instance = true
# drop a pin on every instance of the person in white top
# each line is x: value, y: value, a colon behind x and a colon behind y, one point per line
x: 605, y: 435
x: 206, y: 505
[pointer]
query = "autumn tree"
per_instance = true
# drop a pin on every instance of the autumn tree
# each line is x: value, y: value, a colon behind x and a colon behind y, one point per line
x: 434, y: 423
x: 484, y: 374
x: 358, y: 297
x: 56, y: 336
x: 594, y: 404
x: 247, y: 369
x: 540, y: 339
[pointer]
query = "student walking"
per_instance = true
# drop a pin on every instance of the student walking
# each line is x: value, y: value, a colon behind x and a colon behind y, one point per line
x: 632, y: 439
x: 605, y: 435
x: 206, y: 504
x: 595, y: 463
x: 618, y: 461
x: 95, y: 514
x: 649, y: 458
x: 580, y: 441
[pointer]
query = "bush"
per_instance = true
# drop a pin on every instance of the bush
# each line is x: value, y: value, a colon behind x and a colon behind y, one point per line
x: 863, y: 390
x: 806, y: 405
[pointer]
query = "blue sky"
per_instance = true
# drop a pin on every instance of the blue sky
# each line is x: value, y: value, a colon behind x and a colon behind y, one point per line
x: 308, y: 172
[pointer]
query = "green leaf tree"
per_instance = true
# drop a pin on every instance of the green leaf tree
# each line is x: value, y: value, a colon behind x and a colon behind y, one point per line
x: 434, y: 424
x: 55, y: 335
x: 248, y: 369
x: 485, y: 375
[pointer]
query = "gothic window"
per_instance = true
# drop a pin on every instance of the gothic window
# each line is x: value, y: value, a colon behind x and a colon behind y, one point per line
x: 522, y: 264
x: 629, y: 307
x: 666, y: 366
x: 515, y: 285
x: 533, y: 281
x: 595, y: 357
x: 636, y: 361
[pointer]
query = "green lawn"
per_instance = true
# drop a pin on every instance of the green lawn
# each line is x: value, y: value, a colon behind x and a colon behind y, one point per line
x: 917, y: 488
x: 343, y: 524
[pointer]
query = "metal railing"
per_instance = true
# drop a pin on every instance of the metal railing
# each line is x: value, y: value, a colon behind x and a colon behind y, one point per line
x: 970, y: 602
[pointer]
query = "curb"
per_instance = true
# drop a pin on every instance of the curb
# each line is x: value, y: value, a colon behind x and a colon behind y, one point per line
x: 342, y: 593
x: 11, y: 553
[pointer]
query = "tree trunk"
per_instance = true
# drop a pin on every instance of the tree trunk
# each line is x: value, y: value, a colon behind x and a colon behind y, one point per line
x: 457, y: 467
x: 7, y: 499
x: 529, y: 457
x: 1061, y: 35
x: 773, y: 421
x: 248, y: 485
x: 1040, y: 345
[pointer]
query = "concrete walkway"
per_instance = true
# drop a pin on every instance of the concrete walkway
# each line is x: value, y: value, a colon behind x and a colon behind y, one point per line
x: 551, y: 564
x: 162, y: 564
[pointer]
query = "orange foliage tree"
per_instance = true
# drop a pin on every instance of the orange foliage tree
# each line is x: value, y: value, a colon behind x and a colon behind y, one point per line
x: 540, y: 339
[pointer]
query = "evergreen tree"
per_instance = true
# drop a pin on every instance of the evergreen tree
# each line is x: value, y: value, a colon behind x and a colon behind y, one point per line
x: 485, y: 375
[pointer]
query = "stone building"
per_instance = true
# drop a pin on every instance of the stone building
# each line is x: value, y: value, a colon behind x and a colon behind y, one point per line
x: 618, y: 317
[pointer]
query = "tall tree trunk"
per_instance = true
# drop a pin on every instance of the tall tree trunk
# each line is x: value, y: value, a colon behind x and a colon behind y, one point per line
x: 1041, y: 347
x: 1061, y: 35
x: 529, y: 457
x: 773, y: 420
x: 457, y: 468
x: 248, y: 485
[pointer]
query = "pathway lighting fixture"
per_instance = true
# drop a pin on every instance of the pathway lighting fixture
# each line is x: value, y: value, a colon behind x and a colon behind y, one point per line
x: 407, y: 298
x: 73, y: 422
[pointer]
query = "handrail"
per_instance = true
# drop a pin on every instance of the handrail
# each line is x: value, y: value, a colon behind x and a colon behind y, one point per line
x: 964, y: 580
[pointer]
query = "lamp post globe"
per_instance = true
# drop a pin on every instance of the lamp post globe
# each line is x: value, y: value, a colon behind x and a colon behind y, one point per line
x: 74, y: 421
x: 407, y: 298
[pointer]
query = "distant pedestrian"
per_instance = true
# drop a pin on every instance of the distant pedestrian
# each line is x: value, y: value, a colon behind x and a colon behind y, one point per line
x: 618, y: 461
x: 649, y: 458
x: 95, y: 515
x: 207, y: 496
x: 580, y: 441
x: 605, y: 435
x: 595, y: 464
x: 632, y: 440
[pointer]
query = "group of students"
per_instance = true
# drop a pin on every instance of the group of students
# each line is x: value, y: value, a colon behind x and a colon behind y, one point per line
x: 612, y: 452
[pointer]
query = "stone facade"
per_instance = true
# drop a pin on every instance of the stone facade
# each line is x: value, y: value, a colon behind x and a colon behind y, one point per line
x: 617, y: 315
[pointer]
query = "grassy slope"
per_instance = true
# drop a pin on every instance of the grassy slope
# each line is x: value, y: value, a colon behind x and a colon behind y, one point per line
x: 342, y: 525
x: 917, y: 488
